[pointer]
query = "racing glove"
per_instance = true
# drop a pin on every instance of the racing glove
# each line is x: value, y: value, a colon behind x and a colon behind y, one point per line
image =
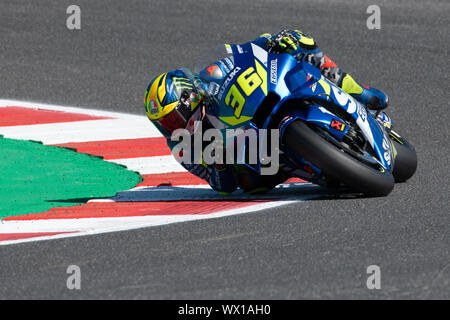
x: 291, y: 41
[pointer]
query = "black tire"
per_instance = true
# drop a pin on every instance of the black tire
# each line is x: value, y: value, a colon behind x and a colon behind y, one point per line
x: 336, y: 163
x: 405, y: 164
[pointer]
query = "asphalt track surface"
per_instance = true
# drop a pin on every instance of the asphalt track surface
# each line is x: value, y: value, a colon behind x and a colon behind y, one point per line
x: 312, y: 249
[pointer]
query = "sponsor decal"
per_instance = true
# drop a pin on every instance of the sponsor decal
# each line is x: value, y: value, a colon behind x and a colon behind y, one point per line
x: 211, y: 69
x: 214, y: 72
x: 386, y: 120
x: 337, y: 125
x: 229, y: 62
x: 227, y: 82
x: 213, y: 88
x: 153, y: 107
x: 342, y: 97
x: 362, y: 112
x: 346, y: 101
x: 224, y: 66
x: 273, y: 71
x: 387, y: 154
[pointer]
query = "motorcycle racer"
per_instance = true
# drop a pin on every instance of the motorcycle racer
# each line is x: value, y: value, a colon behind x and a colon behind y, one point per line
x: 177, y: 100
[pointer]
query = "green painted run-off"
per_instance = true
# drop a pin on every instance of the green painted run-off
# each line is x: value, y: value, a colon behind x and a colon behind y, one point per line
x: 35, y: 177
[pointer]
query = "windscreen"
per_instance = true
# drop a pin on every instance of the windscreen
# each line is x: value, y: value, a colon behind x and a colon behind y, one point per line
x: 211, y: 56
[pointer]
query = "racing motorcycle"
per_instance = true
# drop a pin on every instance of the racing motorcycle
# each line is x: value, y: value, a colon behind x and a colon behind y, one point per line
x: 328, y: 137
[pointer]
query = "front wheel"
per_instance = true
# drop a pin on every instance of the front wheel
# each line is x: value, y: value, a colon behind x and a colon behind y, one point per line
x: 335, y: 162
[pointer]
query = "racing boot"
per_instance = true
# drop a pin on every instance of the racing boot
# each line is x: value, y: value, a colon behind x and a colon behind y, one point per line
x: 372, y: 98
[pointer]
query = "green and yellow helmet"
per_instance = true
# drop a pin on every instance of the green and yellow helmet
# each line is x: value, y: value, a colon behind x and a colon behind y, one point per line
x: 171, y: 100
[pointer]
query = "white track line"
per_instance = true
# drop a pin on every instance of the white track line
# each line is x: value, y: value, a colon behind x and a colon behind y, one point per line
x: 83, y: 131
x: 89, y: 226
x: 147, y: 165
x: 72, y: 109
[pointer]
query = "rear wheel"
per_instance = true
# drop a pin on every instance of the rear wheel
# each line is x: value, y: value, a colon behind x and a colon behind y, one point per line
x: 405, y: 164
x: 336, y: 162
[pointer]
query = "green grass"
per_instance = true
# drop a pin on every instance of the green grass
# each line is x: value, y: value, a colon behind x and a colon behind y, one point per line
x: 35, y: 177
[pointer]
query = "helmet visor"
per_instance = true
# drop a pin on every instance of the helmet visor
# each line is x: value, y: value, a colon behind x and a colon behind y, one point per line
x: 177, y: 119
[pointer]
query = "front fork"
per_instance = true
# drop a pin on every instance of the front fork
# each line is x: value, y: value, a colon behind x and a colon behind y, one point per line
x: 385, y: 121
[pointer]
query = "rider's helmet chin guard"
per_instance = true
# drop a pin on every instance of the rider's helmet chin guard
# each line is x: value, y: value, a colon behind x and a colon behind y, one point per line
x: 172, y: 102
